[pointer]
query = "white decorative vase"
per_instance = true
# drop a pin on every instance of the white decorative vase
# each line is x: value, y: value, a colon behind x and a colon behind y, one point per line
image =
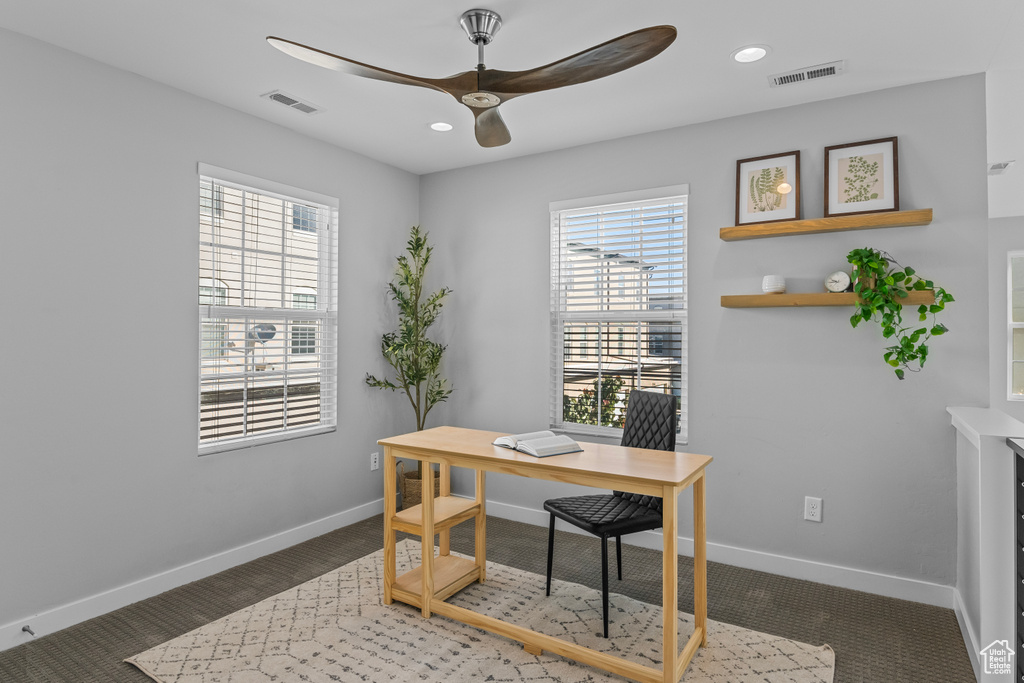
x: 773, y: 284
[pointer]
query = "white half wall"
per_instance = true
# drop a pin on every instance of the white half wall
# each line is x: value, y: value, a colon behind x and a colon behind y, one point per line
x: 100, y: 483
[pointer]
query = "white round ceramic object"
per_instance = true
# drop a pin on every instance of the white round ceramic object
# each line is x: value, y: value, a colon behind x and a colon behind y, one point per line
x: 773, y: 284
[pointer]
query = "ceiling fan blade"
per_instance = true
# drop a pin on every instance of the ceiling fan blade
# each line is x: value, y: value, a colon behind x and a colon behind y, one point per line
x: 618, y: 54
x: 460, y: 83
x: 491, y: 130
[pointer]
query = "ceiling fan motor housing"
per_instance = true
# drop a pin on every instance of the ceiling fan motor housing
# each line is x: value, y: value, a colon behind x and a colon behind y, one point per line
x: 480, y: 25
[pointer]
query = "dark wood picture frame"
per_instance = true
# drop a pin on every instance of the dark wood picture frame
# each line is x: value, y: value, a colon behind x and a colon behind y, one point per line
x: 890, y: 179
x: 790, y: 161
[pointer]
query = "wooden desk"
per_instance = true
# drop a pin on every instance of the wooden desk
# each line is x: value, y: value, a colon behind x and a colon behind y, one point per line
x: 638, y: 470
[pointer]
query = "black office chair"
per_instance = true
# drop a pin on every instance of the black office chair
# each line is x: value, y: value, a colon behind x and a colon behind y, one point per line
x: 650, y: 423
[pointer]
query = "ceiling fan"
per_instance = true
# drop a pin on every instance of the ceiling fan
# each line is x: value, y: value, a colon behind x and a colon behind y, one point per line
x: 483, y: 89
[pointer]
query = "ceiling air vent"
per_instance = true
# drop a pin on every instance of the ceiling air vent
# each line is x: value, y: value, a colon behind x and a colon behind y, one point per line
x: 293, y: 102
x: 1000, y: 167
x: 809, y: 73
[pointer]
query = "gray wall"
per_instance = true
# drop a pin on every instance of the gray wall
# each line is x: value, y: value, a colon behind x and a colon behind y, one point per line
x: 100, y: 484
x: 789, y: 402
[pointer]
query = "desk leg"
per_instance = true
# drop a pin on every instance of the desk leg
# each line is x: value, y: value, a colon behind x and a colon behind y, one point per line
x: 389, y: 515
x: 427, y: 539
x: 445, y: 536
x: 700, y: 560
x: 480, y: 546
x: 670, y: 582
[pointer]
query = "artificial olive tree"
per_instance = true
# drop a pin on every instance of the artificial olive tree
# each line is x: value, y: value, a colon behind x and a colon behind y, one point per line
x: 415, y: 358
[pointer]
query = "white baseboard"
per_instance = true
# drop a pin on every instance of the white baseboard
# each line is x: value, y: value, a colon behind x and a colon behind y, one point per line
x: 969, y: 635
x: 819, y: 572
x: 58, y: 618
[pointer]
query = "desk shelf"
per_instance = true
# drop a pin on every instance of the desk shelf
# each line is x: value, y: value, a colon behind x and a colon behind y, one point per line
x: 451, y: 574
x: 448, y: 511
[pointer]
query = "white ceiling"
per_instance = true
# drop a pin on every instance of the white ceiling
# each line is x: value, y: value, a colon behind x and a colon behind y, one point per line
x: 216, y: 49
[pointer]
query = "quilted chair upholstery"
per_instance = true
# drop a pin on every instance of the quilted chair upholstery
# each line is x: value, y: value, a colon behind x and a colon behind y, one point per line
x: 650, y: 423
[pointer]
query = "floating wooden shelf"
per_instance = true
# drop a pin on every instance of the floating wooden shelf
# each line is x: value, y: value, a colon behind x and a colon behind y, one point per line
x: 813, y: 299
x: 448, y: 511
x: 810, y: 226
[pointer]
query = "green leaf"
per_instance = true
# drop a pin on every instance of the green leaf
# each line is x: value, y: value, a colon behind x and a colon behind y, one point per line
x: 909, y: 271
x: 899, y: 373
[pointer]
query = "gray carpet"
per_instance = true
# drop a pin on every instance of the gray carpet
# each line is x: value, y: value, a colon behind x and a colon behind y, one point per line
x: 875, y: 639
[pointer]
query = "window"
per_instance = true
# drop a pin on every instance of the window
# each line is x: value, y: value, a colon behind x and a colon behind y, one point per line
x: 304, y: 332
x: 214, y: 331
x: 304, y: 218
x: 304, y: 300
x: 211, y: 203
x: 303, y: 339
x: 267, y: 311
x: 618, y: 268
x: 1015, y: 301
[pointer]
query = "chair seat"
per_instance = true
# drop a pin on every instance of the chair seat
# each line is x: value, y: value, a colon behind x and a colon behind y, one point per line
x: 605, y: 515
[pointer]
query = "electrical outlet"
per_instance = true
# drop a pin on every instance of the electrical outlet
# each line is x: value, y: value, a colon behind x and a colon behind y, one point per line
x: 374, y: 461
x: 812, y: 509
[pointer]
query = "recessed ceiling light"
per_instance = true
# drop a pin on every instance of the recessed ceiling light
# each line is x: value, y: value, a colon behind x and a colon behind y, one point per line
x: 441, y: 126
x: 750, y: 53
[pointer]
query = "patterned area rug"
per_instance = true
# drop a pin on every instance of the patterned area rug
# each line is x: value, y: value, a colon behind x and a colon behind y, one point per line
x: 335, y: 628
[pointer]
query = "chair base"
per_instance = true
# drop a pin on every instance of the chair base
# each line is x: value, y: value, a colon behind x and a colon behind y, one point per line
x: 604, y: 566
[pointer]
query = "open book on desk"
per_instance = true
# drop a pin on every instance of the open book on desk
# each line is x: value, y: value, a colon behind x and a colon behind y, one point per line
x: 539, y: 444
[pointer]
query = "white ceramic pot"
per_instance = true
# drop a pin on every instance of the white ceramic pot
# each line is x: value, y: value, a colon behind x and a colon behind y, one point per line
x: 773, y: 284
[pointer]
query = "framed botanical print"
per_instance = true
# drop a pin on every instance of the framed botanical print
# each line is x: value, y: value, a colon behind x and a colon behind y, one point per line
x: 862, y: 177
x: 768, y: 188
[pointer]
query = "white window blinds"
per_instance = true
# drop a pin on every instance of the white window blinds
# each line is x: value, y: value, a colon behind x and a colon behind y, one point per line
x: 267, y: 312
x: 618, y: 306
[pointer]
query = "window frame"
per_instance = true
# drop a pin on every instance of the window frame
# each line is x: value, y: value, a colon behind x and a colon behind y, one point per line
x: 634, y: 324
x: 1011, y: 326
x: 285, y: 316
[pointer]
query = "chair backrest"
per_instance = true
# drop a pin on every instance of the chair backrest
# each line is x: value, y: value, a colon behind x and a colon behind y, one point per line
x: 650, y: 421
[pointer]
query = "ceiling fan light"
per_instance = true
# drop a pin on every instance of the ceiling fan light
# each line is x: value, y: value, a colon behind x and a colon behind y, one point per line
x: 750, y: 53
x: 481, y: 100
x: 441, y: 126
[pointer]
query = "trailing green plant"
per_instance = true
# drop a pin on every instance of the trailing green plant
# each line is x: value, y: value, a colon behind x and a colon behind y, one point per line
x: 415, y: 358
x: 882, y: 284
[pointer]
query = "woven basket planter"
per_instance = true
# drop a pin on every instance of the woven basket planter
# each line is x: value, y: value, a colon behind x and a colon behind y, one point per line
x: 410, y: 485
